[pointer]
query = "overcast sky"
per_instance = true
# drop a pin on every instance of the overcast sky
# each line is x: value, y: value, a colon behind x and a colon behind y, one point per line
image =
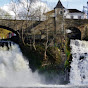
x: 78, y: 4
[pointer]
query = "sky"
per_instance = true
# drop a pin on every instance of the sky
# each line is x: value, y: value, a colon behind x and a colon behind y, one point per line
x: 75, y: 4
x: 3, y: 2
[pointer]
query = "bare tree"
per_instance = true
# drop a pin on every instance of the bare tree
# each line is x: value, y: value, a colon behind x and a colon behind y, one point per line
x: 30, y: 14
x: 46, y: 44
x: 14, y: 7
x: 25, y: 4
x: 4, y: 14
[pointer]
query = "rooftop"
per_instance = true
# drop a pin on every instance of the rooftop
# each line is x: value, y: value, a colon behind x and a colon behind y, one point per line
x: 50, y: 12
x: 74, y: 11
x: 59, y: 5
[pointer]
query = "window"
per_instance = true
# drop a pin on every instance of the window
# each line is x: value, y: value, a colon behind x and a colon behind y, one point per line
x: 72, y: 17
x: 61, y: 12
x: 64, y: 16
x: 64, y: 11
x: 79, y: 17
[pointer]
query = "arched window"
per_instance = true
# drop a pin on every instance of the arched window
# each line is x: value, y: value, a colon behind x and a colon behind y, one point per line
x: 61, y: 12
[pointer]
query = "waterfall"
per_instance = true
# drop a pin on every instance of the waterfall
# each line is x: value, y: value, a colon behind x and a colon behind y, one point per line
x: 14, y: 69
x: 79, y: 65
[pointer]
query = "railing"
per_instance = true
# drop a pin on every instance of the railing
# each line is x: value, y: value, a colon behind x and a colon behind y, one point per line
x: 35, y: 18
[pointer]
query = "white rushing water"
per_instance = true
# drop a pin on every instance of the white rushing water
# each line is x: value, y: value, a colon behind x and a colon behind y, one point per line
x: 79, y: 65
x: 14, y: 69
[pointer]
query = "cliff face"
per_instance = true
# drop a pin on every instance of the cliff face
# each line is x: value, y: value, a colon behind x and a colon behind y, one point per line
x: 37, y: 60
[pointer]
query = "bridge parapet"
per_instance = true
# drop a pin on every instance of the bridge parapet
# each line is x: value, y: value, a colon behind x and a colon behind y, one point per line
x: 16, y: 24
x: 81, y: 24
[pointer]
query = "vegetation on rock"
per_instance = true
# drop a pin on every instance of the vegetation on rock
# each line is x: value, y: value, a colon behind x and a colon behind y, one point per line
x: 36, y: 57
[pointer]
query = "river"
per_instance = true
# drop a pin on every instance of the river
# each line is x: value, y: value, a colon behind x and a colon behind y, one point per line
x: 15, y: 70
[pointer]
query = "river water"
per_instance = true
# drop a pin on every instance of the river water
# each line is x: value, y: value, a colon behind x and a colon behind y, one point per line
x: 15, y: 71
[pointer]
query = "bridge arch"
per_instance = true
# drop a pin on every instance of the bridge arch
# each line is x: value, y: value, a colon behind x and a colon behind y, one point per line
x: 13, y: 38
x: 10, y: 29
x: 73, y: 33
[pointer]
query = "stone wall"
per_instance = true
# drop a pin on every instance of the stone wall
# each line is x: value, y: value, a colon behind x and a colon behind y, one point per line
x: 16, y: 24
x: 51, y: 24
x: 81, y: 24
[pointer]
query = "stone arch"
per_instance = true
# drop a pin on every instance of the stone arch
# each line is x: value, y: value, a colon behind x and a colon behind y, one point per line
x: 74, y: 33
x: 84, y: 31
x: 13, y: 38
x: 10, y: 29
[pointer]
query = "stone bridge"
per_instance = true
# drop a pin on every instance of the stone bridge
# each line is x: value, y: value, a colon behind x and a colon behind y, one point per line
x: 81, y: 24
x: 53, y: 24
x: 50, y: 24
x: 17, y: 24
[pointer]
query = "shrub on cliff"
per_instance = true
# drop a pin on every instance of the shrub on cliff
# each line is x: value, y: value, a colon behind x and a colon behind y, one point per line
x: 36, y: 57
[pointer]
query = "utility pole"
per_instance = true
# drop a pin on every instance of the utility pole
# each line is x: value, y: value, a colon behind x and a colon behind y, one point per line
x: 85, y: 8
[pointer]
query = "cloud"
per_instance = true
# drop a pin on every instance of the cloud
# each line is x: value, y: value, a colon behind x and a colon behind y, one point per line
x: 41, y: 6
x: 22, y: 8
x: 7, y: 9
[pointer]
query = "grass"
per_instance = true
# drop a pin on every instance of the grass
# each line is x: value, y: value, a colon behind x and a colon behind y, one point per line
x: 4, y: 33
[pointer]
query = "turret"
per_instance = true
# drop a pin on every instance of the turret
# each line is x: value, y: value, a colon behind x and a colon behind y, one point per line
x: 59, y: 9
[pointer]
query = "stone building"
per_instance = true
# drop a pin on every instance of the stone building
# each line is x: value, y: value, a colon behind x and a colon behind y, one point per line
x: 67, y: 13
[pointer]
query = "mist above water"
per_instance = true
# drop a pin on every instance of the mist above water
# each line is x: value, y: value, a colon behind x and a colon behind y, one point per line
x: 14, y: 69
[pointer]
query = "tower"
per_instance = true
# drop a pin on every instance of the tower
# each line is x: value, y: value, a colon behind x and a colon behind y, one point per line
x: 59, y: 13
x: 59, y: 9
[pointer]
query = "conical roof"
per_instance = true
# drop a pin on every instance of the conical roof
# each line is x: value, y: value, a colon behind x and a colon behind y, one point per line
x: 59, y: 5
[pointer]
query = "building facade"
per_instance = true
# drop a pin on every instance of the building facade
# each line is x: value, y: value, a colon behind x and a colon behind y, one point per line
x: 74, y: 14
x: 66, y: 13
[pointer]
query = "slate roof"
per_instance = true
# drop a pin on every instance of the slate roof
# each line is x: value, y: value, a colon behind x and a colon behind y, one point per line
x: 74, y: 11
x: 59, y: 5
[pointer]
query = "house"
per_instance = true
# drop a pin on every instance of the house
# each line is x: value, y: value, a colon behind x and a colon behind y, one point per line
x: 74, y: 14
x: 67, y: 13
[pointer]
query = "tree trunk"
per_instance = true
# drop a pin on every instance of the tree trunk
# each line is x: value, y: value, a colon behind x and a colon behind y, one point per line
x: 45, y: 56
x: 23, y: 37
x: 22, y: 33
x: 33, y: 38
x: 46, y: 45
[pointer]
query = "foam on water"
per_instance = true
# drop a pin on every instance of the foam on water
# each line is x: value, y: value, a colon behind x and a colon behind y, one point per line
x: 79, y: 65
x: 15, y: 71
